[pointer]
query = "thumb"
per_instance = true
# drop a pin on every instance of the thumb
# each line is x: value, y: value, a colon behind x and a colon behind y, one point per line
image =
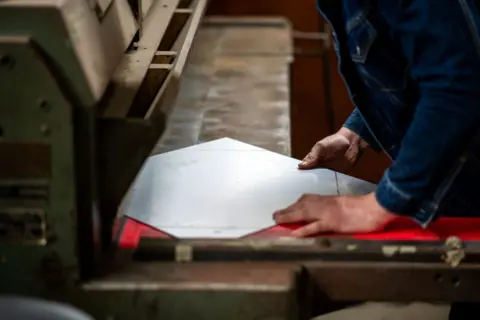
x: 313, y: 158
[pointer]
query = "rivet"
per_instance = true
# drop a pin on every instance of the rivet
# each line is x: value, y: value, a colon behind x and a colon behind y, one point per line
x: 324, y: 242
x: 44, y: 105
x: 45, y: 129
x: 7, y: 62
x: 456, y: 281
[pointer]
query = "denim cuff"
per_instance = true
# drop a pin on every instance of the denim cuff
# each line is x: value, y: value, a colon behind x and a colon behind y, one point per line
x: 394, y: 200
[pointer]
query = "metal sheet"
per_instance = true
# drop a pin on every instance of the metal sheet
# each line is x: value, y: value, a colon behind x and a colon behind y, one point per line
x: 220, y: 189
x: 352, y: 186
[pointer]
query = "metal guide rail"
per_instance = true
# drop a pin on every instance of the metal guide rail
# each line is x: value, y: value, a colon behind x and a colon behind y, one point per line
x: 288, y: 278
x: 143, y: 89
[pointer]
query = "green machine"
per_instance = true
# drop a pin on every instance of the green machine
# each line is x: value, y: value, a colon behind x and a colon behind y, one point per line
x: 85, y: 90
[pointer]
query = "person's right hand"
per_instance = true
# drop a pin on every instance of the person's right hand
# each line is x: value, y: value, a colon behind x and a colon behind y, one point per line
x: 338, y: 152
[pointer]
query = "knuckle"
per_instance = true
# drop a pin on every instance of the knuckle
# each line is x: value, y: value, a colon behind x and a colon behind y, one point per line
x: 303, y: 197
x: 320, y: 144
x: 310, y: 156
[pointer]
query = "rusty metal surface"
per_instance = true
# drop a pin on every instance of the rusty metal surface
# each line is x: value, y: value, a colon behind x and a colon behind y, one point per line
x: 235, y: 86
x: 252, y: 290
x: 393, y: 281
x: 258, y: 276
x: 262, y: 291
x: 341, y: 269
x: 313, y: 249
x: 303, y: 287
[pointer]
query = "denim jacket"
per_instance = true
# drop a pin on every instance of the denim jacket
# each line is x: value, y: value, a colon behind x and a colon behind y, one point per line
x: 412, y: 68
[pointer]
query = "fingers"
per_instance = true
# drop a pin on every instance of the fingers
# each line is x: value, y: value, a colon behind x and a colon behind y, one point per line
x: 284, y: 216
x: 311, y: 229
x: 291, y: 214
x: 296, y: 212
x: 313, y: 158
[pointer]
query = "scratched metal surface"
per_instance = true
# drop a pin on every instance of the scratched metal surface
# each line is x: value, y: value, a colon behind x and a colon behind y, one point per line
x: 236, y: 85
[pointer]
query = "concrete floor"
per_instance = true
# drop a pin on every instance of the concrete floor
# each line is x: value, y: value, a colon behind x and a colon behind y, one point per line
x: 236, y: 85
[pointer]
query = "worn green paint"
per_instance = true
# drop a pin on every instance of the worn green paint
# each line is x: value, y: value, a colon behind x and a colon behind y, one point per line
x: 23, y: 87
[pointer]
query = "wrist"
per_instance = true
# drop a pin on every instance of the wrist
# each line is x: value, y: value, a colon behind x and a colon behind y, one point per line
x: 378, y: 212
x: 353, y: 138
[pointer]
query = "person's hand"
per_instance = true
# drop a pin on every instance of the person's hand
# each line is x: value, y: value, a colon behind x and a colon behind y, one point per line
x: 338, y: 152
x: 340, y: 214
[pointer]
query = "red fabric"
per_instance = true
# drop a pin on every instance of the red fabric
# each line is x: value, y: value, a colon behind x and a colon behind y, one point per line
x: 400, y: 229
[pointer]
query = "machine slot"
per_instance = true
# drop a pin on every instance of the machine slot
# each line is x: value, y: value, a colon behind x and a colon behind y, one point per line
x: 184, y: 26
x: 130, y: 73
x: 146, y: 69
x: 154, y: 80
x: 28, y: 192
x: 135, y: 7
x: 184, y: 4
x: 164, y: 57
x: 174, y: 29
x: 160, y: 66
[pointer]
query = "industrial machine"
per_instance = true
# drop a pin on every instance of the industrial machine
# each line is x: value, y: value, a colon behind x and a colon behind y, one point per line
x: 86, y: 88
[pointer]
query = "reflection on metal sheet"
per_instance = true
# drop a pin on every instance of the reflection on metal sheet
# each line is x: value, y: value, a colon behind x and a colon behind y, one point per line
x: 352, y: 186
x: 220, y: 189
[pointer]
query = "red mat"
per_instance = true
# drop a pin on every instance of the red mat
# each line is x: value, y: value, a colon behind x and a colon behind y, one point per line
x: 401, y: 229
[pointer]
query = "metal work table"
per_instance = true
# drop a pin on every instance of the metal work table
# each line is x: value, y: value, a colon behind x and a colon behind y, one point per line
x: 225, y: 189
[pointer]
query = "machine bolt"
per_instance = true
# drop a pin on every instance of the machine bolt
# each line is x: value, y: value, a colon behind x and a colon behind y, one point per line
x: 324, y: 242
x: 44, y: 105
x: 7, y: 62
x: 45, y: 129
x: 455, y: 281
x: 454, y: 253
x: 438, y: 278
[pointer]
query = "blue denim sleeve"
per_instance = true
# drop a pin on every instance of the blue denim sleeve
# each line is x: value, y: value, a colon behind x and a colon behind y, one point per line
x: 356, y: 123
x: 441, y: 42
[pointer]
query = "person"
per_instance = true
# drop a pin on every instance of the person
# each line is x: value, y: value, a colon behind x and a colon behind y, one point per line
x: 412, y: 69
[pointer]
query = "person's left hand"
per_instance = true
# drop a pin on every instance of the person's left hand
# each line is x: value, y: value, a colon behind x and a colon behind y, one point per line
x: 340, y: 214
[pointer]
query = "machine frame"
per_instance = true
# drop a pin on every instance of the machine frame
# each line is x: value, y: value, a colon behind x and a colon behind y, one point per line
x: 287, y: 278
x: 85, y: 109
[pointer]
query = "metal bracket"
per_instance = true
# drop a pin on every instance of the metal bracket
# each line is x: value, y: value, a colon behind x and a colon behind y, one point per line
x: 183, y: 253
x: 454, y: 253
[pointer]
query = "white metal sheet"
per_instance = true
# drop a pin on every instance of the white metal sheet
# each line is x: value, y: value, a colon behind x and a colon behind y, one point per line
x: 348, y: 185
x: 220, y: 189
